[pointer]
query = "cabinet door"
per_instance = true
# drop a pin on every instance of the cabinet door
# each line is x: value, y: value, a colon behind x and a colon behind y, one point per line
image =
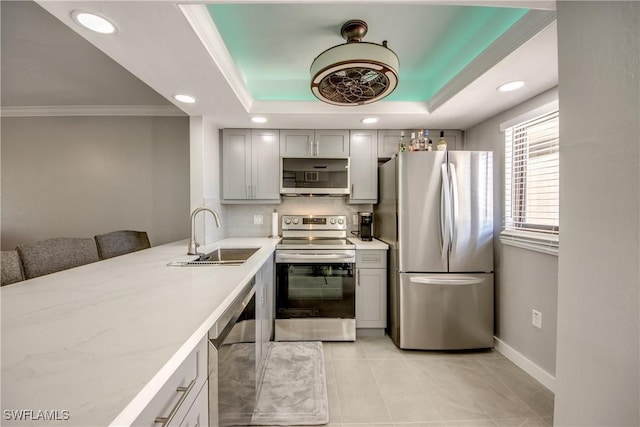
x: 198, y: 415
x: 297, y: 143
x: 363, y: 168
x: 236, y: 164
x: 265, y: 164
x: 331, y: 143
x: 388, y: 141
x: 371, y: 298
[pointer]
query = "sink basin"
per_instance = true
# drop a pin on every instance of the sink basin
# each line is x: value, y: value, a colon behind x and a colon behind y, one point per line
x: 227, y: 255
x: 220, y: 256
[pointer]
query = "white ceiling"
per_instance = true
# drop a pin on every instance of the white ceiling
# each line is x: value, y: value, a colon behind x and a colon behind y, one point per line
x: 174, y: 47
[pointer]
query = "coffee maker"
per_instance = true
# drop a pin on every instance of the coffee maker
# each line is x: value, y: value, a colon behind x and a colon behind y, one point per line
x: 365, y: 226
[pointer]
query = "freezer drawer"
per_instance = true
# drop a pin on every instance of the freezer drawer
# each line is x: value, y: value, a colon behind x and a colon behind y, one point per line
x: 445, y: 311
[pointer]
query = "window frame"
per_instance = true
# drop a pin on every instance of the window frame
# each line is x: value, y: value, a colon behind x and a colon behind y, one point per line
x: 537, y: 237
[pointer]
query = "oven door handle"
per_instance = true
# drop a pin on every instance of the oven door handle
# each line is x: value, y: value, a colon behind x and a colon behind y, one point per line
x: 311, y: 257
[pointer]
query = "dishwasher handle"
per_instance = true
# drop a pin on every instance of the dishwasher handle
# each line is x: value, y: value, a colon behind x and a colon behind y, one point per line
x: 229, y: 318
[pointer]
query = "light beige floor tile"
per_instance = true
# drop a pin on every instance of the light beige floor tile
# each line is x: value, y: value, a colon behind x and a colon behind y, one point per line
x: 452, y: 400
x: 359, y: 398
x: 380, y: 348
x: 401, y: 392
x: 521, y: 422
x: 466, y: 423
x: 345, y: 350
x: 539, y: 398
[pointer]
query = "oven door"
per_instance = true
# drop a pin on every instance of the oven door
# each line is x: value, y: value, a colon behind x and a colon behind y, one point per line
x: 315, y: 295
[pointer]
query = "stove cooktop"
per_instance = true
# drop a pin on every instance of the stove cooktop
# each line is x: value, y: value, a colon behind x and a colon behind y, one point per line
x: 314, y: 243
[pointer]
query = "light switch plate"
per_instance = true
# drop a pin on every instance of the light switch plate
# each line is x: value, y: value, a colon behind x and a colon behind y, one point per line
x: 536, y: 319
x: 258, y: 219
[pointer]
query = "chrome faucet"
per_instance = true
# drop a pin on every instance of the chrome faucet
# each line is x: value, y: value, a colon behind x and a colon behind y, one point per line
x: 193, y: 245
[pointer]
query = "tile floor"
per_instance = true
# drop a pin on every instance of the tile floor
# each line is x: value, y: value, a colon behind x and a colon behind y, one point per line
x: 373, y: 383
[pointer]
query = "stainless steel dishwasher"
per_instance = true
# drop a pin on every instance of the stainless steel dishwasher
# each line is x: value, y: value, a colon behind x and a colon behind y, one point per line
x: 232, y: 362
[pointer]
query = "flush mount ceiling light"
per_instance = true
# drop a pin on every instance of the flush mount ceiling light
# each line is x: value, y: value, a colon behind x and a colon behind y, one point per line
x: 511, y: 86
x: 369, y: 120
x: 187, y: 99
x: 259, y: 119
x: 354, y: 73
x: 93, y: 22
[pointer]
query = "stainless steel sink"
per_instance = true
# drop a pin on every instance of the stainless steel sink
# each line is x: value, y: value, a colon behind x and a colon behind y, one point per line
x: 220, y: 256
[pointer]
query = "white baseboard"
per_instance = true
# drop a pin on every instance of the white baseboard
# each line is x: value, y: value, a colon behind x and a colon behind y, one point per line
x: 542, y: 376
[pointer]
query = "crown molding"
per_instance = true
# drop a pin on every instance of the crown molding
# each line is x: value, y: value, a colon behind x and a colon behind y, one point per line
x: 204, y: 28
x: 527, y: 27
x: 91, y: 110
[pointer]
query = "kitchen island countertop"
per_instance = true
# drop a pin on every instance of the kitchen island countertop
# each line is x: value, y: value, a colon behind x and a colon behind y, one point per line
x: 100, y: 340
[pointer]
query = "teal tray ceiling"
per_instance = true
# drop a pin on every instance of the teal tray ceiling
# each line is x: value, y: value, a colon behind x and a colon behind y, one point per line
x: 273, y: 45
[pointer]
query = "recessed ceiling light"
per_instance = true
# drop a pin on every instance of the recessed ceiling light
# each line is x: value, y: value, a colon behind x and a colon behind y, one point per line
x: 93, y: 22
x: 511, y: 86
x: 187, y: 99
x: 259, y: 119
x: 369, y: 120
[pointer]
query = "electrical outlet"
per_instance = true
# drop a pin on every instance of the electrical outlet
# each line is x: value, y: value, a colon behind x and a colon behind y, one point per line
x: 258, y: 219
x: 536, y: 319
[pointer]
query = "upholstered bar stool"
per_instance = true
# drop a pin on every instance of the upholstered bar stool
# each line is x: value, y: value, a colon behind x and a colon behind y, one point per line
x: 52, y: 255
x: 121, y: 242
x: 10, y: 267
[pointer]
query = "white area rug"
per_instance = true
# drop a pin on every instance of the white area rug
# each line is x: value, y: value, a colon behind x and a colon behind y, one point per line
x: 293, y: 390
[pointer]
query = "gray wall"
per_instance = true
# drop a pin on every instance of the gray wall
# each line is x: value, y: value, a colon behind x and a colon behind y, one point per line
x: 598, y: 378
x: 524, y: 280
x: 82, y: 176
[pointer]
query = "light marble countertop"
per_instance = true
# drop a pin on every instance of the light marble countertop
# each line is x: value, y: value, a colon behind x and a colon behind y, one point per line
x: 374, y: 244
x: 100, y: 340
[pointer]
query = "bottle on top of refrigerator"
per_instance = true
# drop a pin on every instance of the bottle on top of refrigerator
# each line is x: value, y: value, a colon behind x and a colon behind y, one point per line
x: 425, y: 132
x: 421, y: 142
x: 430, y: 145
x: 402, y: 146
x: 413, y: 144
x: 442, y: 143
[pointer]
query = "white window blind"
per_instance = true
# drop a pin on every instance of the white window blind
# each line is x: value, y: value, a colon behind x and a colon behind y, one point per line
x: 532, y: 177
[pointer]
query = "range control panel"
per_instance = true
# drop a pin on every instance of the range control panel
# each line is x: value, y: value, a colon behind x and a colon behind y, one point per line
x: 314, y: 222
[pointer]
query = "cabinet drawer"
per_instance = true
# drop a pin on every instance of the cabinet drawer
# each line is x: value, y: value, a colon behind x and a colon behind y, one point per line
x: 371, y: 258
x: 177, y: 395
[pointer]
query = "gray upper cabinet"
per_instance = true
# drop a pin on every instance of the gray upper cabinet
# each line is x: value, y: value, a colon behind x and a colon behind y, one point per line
x: 250, y: 165
x: 363, y: 167
x: 314, y: 143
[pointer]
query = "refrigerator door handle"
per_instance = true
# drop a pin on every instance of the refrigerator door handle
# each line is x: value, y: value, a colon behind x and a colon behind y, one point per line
x: 454, y: 206
x: 445, y: 212
x: 446, y: 281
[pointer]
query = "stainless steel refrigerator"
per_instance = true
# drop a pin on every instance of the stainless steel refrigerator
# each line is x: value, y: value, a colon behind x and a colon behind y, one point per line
x: 435, y: 211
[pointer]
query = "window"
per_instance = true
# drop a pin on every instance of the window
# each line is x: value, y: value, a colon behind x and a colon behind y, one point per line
x: 532, y: 177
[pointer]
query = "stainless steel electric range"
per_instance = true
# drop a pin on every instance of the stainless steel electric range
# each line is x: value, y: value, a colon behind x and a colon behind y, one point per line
x: 315, y: 280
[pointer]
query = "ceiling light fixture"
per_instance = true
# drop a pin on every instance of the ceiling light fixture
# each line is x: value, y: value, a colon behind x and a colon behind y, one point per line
x: 187, y: 99
x: 259, y: 119
x: 369, y: 120
x: 511, y: 86
x: 93, y: 22
x: 356, y: 72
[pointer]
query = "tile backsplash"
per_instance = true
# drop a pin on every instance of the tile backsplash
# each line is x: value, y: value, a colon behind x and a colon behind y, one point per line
x: 241, y: 217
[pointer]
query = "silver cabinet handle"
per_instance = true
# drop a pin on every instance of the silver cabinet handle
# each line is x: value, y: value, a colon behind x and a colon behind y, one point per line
x: 248, y: 191
x: 185, y: 392
x: 352, y: 189
x: 310, y: 148
x: 255, y: 191
x: 358, y: 277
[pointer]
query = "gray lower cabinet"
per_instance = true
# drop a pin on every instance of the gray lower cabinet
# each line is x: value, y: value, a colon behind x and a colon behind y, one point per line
x: 324, y: 143
x: 371, y: 288
x: 363, y: 167
x: 250, y: 166
x: 183, y: 396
